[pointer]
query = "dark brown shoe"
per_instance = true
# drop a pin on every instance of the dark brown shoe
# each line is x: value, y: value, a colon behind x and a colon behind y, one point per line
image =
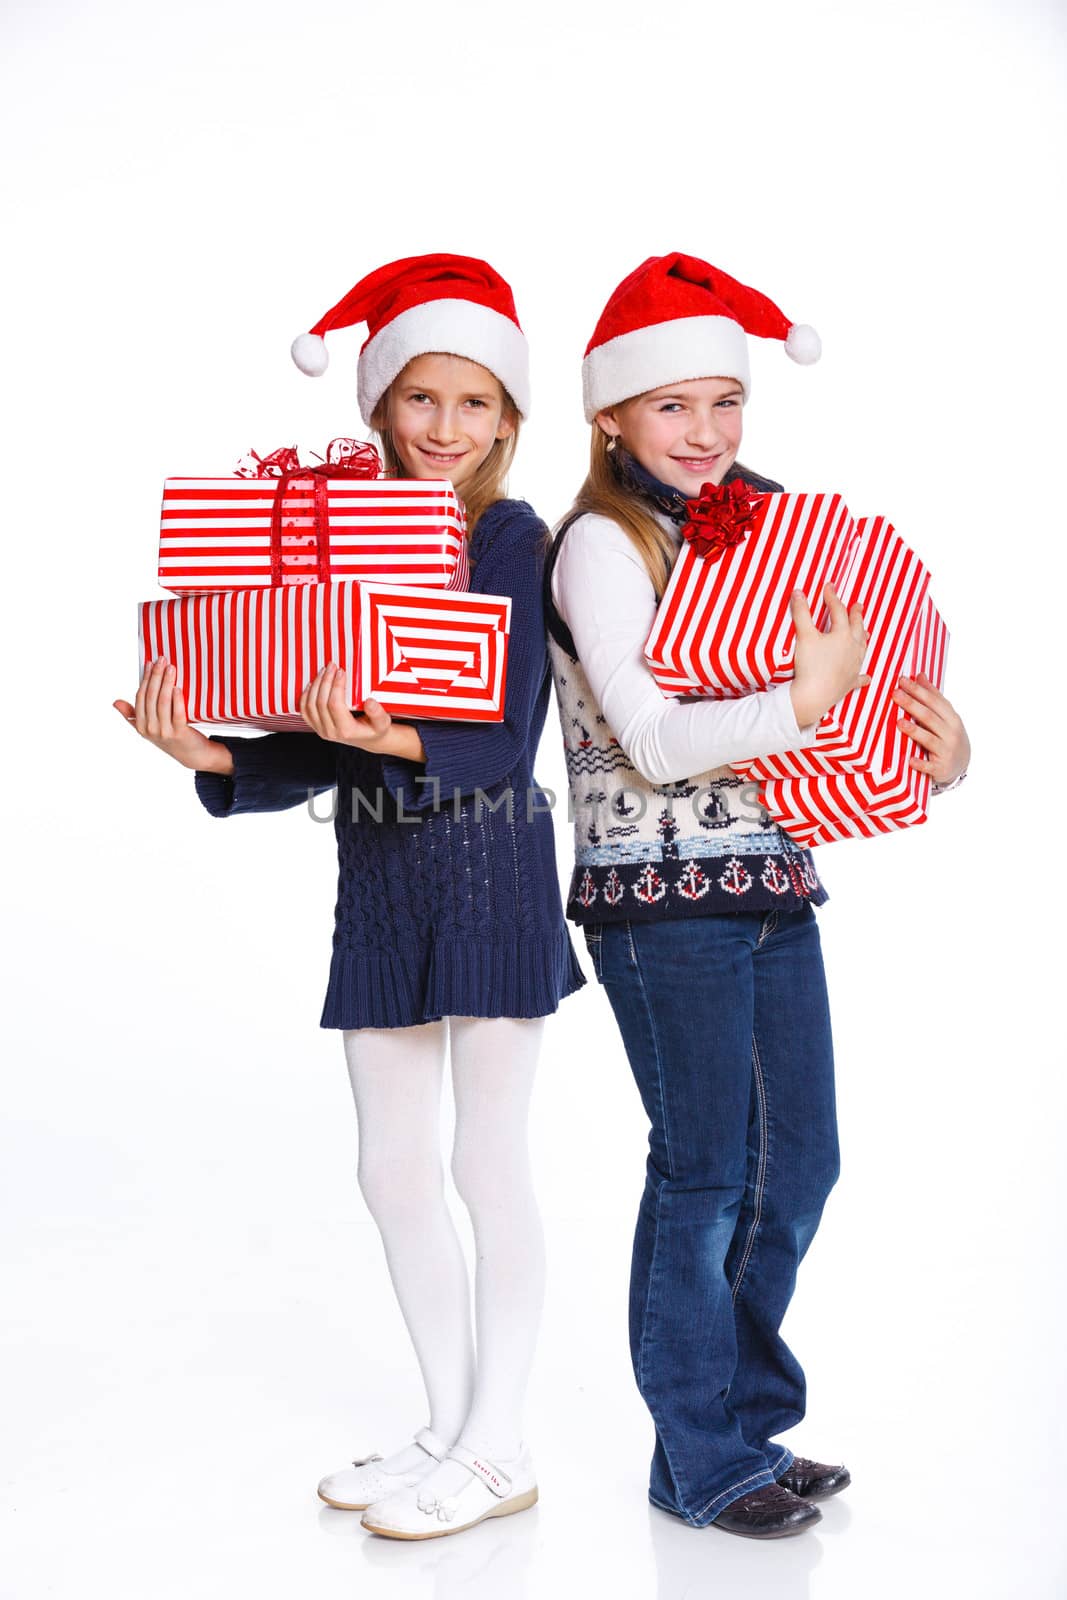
x: 814, y: 1480
x: 770, y: 1513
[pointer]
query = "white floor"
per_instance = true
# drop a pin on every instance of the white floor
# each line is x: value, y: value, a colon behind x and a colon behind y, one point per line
x: 198, y: 1323
x: 178, y: 1390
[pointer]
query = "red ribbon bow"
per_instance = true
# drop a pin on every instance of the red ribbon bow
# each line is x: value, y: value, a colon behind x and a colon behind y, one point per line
x: 345, y: 458
x: 720, y: 517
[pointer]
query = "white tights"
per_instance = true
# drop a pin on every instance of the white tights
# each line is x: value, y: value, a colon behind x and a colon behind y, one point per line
x: 396, y: 1078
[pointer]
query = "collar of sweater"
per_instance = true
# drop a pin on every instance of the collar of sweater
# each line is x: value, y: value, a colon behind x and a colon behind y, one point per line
x: 663, y: 497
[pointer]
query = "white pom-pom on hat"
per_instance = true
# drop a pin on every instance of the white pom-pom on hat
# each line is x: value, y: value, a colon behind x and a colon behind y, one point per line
x: 310, y: 354
x: 803, y: 344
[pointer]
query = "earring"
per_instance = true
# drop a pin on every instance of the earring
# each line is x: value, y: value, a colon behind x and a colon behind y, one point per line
x: 611, y: 444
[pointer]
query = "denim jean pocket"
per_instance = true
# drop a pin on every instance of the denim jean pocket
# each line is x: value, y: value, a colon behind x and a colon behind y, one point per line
x: 593, y: 933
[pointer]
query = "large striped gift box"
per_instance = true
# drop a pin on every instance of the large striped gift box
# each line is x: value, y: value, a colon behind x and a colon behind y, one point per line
x: 859, y: 805
x: 890, y: 583
x: 228, y: 533
x: 723, y: 627
x: 244, y: 657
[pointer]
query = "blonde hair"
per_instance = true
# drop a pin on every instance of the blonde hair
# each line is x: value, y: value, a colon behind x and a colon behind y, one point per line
x: 489, y: 483
x: 604, y: 495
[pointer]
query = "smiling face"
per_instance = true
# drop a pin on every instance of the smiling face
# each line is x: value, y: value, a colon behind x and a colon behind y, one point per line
x: 685, y: 434
x: 444, y: 414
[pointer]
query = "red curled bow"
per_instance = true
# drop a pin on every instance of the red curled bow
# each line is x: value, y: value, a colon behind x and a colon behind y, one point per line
x: 720, y: 517
x: 345, y: 458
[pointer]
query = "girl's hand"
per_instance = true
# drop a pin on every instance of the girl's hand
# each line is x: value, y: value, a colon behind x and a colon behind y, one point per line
x: 324, y: 707
x: 827, y: 665
x: 159, y: 716
x: 936, y: 726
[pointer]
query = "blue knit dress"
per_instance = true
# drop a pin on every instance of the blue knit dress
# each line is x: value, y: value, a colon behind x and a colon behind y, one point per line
x: 456, y: 910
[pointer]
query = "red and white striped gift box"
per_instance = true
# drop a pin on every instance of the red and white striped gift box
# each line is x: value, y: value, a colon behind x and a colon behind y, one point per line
x: 859, y: 805
x: 216, y: 533
x: 244, y: 657
x: 890, y: 583
x: 723, y: 628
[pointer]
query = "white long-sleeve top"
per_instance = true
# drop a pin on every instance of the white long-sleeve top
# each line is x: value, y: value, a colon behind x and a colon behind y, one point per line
x: 605, y: 596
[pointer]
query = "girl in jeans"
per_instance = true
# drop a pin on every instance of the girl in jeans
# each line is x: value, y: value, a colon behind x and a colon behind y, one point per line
x: 697, y: 909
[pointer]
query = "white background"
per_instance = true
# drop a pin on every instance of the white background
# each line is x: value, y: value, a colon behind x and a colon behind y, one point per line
x: 199, y: 1321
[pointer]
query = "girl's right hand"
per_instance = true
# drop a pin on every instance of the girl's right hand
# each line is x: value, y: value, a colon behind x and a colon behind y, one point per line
x: 159, y: 716
x: 827, y: 665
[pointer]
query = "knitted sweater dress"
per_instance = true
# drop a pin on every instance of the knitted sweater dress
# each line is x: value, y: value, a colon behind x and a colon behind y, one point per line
x: 449, y: 905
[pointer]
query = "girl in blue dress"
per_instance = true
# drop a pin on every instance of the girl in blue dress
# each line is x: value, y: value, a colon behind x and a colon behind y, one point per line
x: 449, y: 932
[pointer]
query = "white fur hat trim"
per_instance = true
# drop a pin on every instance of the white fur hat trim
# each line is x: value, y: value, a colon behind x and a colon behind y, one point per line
x: 448, y: 327
x: 662, y: 353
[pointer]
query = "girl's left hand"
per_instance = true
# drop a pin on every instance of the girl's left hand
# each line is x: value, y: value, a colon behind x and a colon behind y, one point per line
x: 324, y: 707
x: 934, y: 725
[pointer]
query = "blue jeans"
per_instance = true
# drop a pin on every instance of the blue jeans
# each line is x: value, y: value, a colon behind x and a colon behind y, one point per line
x: 726, y: 1024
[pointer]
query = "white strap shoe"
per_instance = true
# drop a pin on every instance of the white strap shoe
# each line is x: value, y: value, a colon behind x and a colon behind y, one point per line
x: 356, y: 1487
x: 429, y: 1511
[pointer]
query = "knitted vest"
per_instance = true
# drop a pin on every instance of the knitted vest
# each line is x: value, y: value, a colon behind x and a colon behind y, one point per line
x: 648, y: 852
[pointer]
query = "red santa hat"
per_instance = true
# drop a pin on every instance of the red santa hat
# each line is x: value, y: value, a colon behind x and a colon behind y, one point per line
x: 454, y: 305
x: 676, y: 318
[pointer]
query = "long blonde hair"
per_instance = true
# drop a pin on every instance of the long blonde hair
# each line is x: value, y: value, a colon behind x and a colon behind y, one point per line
x: 604, y: 495
x: 489, y: 483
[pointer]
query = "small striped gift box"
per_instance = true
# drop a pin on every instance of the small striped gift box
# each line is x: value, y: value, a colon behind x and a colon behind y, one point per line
x: 723, y: 627
x: 245, y: 656
x: 891, y: 795
x: 226, y: 533
x: 890, y: 583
